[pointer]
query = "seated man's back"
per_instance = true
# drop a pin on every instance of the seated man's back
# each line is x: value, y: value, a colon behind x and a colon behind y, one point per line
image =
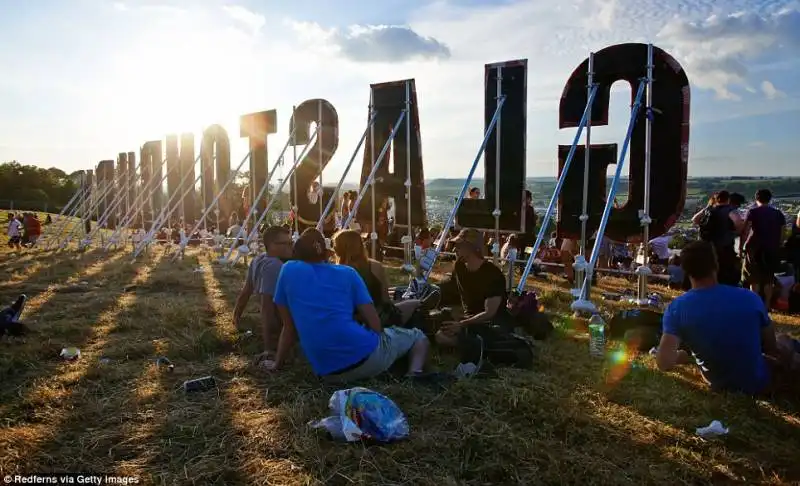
x: 322, y: 299
x: 722, y: 326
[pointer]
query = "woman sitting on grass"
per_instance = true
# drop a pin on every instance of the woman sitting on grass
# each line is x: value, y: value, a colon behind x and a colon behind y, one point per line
x: 350, y: 251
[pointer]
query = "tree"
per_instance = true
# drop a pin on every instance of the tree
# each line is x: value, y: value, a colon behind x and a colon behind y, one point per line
x: 32, y: 187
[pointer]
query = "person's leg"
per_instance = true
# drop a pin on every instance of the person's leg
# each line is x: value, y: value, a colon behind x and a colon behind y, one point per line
x: 394, y: 344
x: 568, y: 259
x: 771, y: 265
x: 18, y: 306
x: 407, y: 308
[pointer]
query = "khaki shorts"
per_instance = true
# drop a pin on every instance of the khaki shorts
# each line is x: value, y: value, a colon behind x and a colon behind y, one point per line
x: 395, y: 343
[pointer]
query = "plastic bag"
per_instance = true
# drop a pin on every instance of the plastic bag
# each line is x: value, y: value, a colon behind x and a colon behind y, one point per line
x: 362, y: 414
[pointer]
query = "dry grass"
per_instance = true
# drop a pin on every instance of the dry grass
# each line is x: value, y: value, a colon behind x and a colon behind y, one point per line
x: 571, y: 420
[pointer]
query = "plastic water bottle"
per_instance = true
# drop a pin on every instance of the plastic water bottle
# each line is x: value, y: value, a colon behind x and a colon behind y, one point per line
x: 597, y: 336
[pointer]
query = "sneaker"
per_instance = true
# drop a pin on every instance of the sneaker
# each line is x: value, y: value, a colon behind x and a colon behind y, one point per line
x: 431, y: 300
x: 19, y: 306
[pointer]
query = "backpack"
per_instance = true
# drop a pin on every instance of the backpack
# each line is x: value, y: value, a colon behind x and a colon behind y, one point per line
x: 715, y: 225
x: 498, y: 347
x: 640, y: 328
x: 525, y: 311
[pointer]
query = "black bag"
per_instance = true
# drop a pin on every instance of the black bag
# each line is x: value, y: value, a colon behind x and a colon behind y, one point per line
x: 498, y: 347
x: 524, y: 309
x: 640, y: 328
x: 715, y: 225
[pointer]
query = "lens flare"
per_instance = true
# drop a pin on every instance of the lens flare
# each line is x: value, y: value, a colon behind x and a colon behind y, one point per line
x: 619, y: 361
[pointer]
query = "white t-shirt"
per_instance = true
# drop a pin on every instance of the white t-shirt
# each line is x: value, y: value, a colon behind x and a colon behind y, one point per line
x: 13, y: 227
x: 660, y: 246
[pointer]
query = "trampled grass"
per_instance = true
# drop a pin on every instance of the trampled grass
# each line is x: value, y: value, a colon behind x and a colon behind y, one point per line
x: 570, y: 420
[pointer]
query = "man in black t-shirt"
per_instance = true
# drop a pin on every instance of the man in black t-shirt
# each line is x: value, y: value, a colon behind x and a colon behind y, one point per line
x: 482, y: 288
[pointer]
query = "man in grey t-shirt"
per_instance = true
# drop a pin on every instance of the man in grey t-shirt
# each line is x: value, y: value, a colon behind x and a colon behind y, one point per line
x: 262, y: 275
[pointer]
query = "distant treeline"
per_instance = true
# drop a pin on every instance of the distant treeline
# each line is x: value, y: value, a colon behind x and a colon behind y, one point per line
x: 33, y: 188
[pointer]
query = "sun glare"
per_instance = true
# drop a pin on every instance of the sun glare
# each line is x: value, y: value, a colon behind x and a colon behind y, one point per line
x: 182, y: 78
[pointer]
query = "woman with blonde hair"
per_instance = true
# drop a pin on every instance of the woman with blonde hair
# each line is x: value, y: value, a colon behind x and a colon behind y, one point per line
x: 349, y: 249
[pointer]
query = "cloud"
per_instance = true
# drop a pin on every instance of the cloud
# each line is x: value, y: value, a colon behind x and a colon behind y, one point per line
x: 374, y: 43
x: 254, y: 21
x: 770, y: 91
x: 718, y: 50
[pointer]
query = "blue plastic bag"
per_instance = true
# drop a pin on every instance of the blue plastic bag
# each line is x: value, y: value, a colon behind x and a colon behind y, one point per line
x: 362, y: 414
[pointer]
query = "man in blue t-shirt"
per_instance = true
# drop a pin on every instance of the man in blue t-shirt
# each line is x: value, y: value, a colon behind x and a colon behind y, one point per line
x: 727, y: 328
x: 317, y: 302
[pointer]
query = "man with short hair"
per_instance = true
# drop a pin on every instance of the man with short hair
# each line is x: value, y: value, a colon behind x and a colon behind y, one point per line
x: 727, y: 328
x: 474, y: 193
x: 317, y: 302
x: 482, y: 287
x: 761, y: 245
x: 262, y: 277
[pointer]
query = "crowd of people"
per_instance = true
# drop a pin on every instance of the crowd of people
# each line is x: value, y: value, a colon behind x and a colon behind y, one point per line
x: 336, y: 303
x: 348, y: 324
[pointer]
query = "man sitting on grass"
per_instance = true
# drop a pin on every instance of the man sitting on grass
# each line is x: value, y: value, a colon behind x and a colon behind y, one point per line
x: 727, y: 329
x: 482, y: 287
x: 262, y: 276
x: 317, y: 302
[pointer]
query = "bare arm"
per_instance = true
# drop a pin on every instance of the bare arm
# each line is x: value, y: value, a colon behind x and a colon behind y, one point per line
x: 769, y: 345
x: 745, y: 233
x: 241, y: 302
x: 697, y: 216
x: 380, y: 274
x: 738, y: 222
x: 490, y: 308
x: 370, y: 315
x: 669, y: 355
x: 288, y: 336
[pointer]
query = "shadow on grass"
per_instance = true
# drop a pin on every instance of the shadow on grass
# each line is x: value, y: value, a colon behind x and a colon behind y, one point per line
x: 179, y: 437
x: 58, y: 324
x: 761, y: 445
x: 49, y: 269
x: 59, y: 402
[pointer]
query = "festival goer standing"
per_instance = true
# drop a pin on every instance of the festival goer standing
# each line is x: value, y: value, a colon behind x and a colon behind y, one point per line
x: 761, y: 245
x: 14, y: 232
x: 528, y: 236
x: 345, y: 212
x: 317, y: 302
x: 262, y: 277
x: 720, y: 224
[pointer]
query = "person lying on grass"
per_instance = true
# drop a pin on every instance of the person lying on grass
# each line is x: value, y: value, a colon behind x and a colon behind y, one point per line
x: 262, y: 276
x: 350, y: 251
x: 727, y: 329
x: 482, y: 288
x: 317, y: 302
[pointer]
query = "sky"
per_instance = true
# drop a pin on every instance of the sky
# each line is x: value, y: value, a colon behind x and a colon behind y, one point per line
x: 86, y: 79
